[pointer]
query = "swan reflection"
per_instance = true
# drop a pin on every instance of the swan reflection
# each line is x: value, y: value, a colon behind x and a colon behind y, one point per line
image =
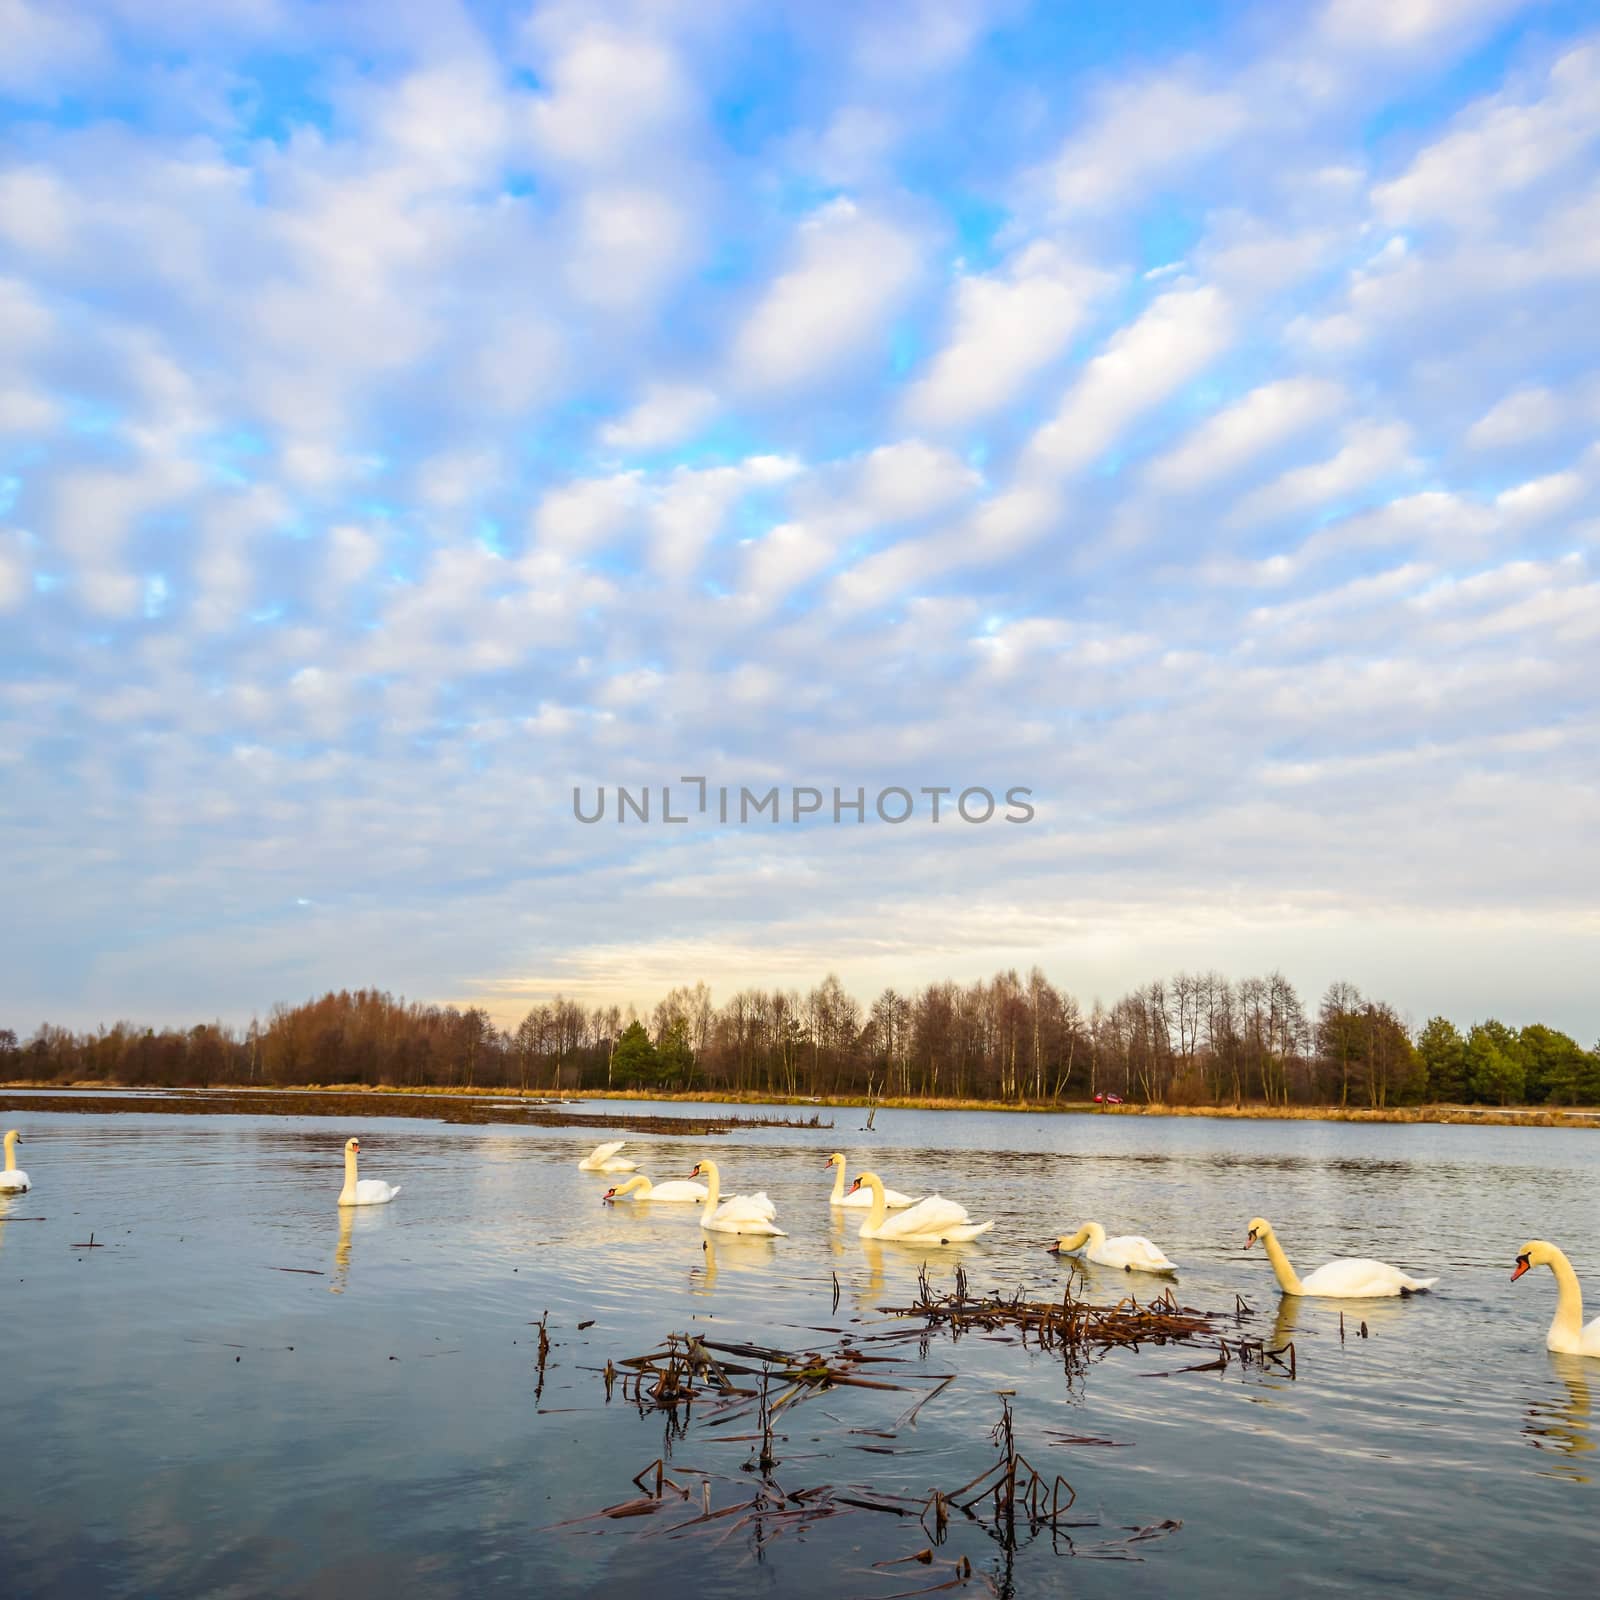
x: 341, y: 1251
x: 729, y: 1252
x: 1561, y: 1423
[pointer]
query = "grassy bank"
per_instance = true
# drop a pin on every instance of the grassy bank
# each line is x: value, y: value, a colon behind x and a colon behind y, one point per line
x: 1496, y: 1116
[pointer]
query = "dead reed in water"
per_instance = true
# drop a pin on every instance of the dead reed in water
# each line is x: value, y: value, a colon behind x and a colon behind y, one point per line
x: 1081, y: 1332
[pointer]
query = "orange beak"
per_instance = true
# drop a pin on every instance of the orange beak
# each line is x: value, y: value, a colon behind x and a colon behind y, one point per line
x: 1522, y: 1266
x: 1249, y: 1239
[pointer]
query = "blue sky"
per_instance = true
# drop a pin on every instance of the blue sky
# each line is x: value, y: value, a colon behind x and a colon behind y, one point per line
x: 407, y: 414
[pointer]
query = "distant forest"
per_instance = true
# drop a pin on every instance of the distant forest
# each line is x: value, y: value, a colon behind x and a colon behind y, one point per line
x: 1196, y: 1039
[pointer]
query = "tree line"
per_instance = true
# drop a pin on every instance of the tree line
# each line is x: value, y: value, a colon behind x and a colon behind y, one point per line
x: 1194, y: 1039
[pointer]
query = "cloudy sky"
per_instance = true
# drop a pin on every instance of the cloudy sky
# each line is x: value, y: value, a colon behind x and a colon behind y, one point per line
x: 1187, y: 411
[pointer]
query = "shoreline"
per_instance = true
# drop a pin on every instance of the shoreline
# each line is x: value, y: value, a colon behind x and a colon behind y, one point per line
x: 1452, y: 1115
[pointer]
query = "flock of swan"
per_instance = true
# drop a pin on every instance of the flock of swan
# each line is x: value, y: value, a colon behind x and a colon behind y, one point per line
x: 933, y: 1220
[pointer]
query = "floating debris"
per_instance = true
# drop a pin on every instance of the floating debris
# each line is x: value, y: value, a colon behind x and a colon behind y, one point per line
x: 1081, y: 1332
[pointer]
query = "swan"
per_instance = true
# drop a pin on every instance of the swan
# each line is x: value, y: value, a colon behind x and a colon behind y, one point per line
x: 604, y: 1158
x: 931, y: 1221
x: 859, y: 1197
x: 641, y: 1188
x: 363, y: 1191
x: 1349, y: 1278
x: 13, y: 1180
x: 1567, y: 1333
x: 1130, y: 1251
x: 740, y: 1213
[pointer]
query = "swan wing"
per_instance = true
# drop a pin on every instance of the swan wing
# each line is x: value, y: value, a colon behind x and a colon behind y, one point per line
x: 741, y: 1221
x: 1356, y: 1278
x: 970, y: 1230
x: 14, y: 1182
x: 676, y: 1189
x: 603, y: 1152
x: 747, y: 1208
x: 933, y: 1216
x: 862, y: 1198
x: 1141, y: 1254
x: 375, y: 1192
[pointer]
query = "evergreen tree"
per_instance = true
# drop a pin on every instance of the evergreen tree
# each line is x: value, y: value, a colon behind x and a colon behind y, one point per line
x: 635, y: 1063
x: 1444, y: 1058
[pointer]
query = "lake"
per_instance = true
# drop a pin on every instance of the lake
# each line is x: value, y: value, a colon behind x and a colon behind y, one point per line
x: 180, y: 1415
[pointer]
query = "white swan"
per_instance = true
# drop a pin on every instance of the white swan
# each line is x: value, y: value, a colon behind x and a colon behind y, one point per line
x: 604, y: 1158
x: 641, y: 1188
x: 363, y: 1191
x: 1567, y: 1333
x: 739, y: 1213
x: 1349, y: 1278
x: 931, y: 1221
x: 13, y: 1180
x: 1130, y: 1251
x: 859, y: 1197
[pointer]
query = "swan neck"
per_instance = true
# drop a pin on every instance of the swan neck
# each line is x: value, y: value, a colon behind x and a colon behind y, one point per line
x: 349, y: 1189
x: 1077, y: 1241
x: 11, y: 1153
x: 1288, y: 1278
x: 1567, y: 1324
x: 708, y: 1171
x: 838, y: 1181
x: 880, y: 1203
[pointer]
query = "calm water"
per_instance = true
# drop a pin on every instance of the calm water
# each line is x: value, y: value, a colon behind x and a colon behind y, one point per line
x: 178, y: 1418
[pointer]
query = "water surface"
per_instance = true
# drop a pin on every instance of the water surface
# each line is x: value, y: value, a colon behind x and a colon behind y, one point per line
x: 181, y: 1417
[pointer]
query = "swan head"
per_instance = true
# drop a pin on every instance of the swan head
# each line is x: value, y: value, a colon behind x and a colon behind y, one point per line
x: 1535, y: 1253
x: 352, y: 1147
x: 703, y: 1169
x: 12, y: 1139
x: 835, y: 1160
x: 1074, y: 1241
x: 1260, y: 1228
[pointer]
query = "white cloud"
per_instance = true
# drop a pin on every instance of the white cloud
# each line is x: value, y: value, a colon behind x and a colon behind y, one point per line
x: 1232, y: 438
x: 631, y: 242
x: 26, y: 410
x: 899, y: 482
x: 458, y: 478
x: 690, y: 508
x: 613, y: 96
x: 581, y: 515
x: 1006, y: 326
x: 912, y: 38
x: 665, y: 414
x: 1370, y: 451
x: 849, y: 272
x: 1144, y: 131
x: 1142, y: 365
x: 1379, y: 25
x: 1525, y: 414
x: 1499, y: 148
x: 352, y: 554
x: 14, y: 576
x: 45, y: 45
x: 1541, y: 497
